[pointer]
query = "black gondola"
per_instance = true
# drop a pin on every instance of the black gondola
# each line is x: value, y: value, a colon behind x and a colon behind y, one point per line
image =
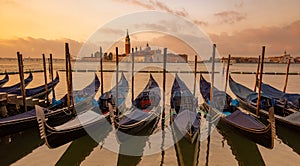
x: 248, y: 99
x: 4, y: 80
x: 293, y: 99
x: 185, y: 117
x: 40, y: 91
x: 17, y: 86
x: 231, y: 116
x: 90, y: 120
x: 57, y: 113
x: 145, y: 110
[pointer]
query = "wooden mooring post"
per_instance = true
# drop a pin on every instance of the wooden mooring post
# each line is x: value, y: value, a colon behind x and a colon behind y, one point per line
x: 287, y: 75
x: 101, y: 70
x: 51, y: 74
x: 45, y: 79
x: 260, y: 79
x: 132, y: 75
x: 117, y: 78
x: 21, y: 75
x: 256, y: 75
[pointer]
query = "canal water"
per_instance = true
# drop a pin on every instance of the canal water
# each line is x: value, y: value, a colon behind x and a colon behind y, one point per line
x: 225, y: 147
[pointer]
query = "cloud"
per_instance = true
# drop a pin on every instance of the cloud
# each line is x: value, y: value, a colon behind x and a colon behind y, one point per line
x: 200, y: 23
x: 249, y: 42
x: 230, y: 17
x: 154, y: 4
x: 239, y: 4
x: 35, y: 47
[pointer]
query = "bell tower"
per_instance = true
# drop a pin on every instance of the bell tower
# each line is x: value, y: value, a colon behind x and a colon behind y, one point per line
x: 127, y: 44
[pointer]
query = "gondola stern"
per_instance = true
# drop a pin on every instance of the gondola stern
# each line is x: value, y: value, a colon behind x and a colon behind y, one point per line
x: 40, y: 115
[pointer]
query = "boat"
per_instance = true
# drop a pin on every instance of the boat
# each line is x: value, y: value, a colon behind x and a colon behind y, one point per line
x: 144, y: 112
x: 9, y: 89
x: 248, y: 98
x: 4, y: 80
x: 40, y: 91
x: 91, y: 120
x: 185, y: 118
x: 57, y: 113
x: 232, y: 116
x: 293, y: 99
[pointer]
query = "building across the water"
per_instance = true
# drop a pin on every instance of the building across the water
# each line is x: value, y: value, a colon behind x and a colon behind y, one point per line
x: 145, y: 54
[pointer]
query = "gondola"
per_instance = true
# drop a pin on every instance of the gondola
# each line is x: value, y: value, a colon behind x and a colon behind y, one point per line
x: 293, y: 99
x: 40, y: 91
x: 185, y: 118
x: 232, y: 116
x: 9, y: 89
x: 4, y: 80
x: 248, y: 98
x: 57, y: 113
x: 88, y: 121
x: 145, y: 110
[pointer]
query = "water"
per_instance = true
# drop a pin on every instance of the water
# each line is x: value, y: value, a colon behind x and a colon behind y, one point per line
x: 225, y: 147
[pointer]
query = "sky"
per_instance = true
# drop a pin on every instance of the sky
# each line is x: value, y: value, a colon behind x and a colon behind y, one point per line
x: 238, y: 27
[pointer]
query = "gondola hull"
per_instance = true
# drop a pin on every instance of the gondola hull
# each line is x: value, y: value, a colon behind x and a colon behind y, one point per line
x: 264, y: 114
x: 57, y: 138
x: 136, y: 129
x: 4, y: 80
x: 15, y: 125
x: 262, y: 137
x: 291, y: 120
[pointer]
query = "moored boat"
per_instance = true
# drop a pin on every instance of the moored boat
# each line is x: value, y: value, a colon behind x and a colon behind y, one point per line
x: 248, y: 99
x: 232, y: 116
x: 185, y: 118
x: 145, y: 110
x: 40, y: 91
x: 9, y: 89
x: 91, y: 120
x: 4, y: 80
x: 56, y: 113
x: 292, y: 99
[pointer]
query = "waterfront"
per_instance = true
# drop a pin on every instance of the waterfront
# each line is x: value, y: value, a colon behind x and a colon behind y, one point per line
x: 226, y: 147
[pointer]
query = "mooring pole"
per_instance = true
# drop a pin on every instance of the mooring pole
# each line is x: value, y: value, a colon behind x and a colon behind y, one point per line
x: 195, y: 75
x: 21, y: 74
x: 287, y: 75
x: 256, y: 75
x: 51, y: 74
x: 260, y: 79
x: 227, y: 73
x: 212, y: 77
x: 67, y: 56
x: 117, y: 78
x: 101, y: 70
x: 132, y: 75
x: 45, y: 79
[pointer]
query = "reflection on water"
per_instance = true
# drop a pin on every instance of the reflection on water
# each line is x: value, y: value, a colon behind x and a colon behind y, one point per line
x: 289, y: 137
x: 16, y: 146
x: 244, y: 150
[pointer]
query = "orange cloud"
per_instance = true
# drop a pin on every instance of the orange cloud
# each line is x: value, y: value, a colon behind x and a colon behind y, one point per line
x: 249, y: 42
x: 34, y: 48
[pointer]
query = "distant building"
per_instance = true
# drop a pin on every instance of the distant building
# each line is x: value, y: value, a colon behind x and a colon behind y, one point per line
x: 127, y: 43
x: 282, y: 59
